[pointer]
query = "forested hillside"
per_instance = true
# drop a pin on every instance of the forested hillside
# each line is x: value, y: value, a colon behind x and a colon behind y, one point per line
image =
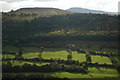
x: 20, y: 27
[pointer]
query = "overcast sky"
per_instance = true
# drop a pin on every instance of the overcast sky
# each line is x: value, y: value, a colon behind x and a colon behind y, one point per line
x: 104, y: 5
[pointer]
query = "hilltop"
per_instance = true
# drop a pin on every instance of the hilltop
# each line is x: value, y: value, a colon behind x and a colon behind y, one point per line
x: 42, y: 11
x: 84, y: 10
x: 30, y: 13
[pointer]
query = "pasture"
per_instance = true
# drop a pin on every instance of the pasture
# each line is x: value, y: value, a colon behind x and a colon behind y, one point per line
x: 61, y: 53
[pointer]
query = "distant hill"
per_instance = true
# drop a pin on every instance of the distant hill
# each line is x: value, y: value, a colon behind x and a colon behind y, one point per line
x: 30, y: 13
x: 42, y: 11
x: 84, y: 10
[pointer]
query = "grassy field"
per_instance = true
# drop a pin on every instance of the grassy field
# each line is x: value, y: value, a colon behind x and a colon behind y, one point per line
x: 32, y: 52
x: 100, y: 59
x: 20, y: 63
x: 94, y: 73
x: 63, y: 56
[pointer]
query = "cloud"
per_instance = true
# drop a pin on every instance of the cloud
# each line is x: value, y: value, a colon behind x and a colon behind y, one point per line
x: 105, y: 5
x: 4, y: 6
x: 119, y: 6
x: 44, y: 0
x: 11, y: 1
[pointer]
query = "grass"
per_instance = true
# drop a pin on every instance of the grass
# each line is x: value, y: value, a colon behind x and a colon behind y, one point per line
x: 96, y: 73
x: 63, y: 55
x: 8, y: 56
x: 103, y: 72
x: 55, y: 55
x: 32, y: 52
x: 20, y: 63
x: 100, y: 59
x: 79, y: 57
x: 30, y: 55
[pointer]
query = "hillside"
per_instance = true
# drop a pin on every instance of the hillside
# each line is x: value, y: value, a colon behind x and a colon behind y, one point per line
x: 41, y: 11
x: 30, y: 13
x: 84, y: 10
x: 43, y: 43
x: 63, y: 27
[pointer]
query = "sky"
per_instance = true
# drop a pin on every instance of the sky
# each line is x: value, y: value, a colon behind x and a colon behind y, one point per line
x: 103, y: 5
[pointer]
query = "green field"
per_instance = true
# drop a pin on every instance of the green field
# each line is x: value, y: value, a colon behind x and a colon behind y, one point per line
x: 94, y: 73
x: 32, y: 52
x: 63, y: 56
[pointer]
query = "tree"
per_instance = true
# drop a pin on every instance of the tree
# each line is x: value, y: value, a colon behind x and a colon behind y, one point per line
x: 69, y: 56
x: 40, y: 52
x: 19, y: 55
x: 88, y: 57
